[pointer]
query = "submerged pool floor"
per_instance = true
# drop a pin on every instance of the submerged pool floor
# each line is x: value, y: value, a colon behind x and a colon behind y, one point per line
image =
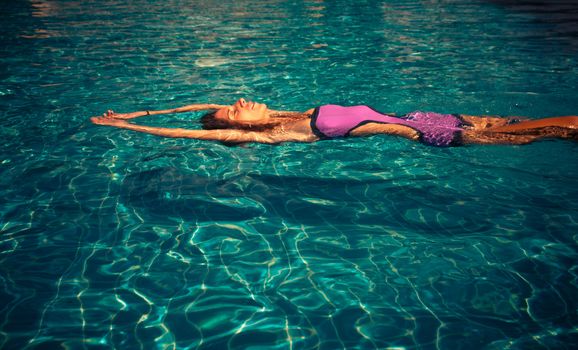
x: 115, y: 239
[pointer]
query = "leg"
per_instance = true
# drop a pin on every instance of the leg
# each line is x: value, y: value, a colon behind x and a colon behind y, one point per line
x: 495, y: 138
x: 486, y: 122
x: 525, y: 132
x: 570, y: 122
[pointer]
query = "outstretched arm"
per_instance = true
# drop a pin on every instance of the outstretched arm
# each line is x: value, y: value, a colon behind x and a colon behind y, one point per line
x: 385, y: 129
x: 188, y: 108
x: 224, y: 135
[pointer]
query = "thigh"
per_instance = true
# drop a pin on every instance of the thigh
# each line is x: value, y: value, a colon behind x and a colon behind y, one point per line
x: 570, y: 122
x: 486, y: 122
x: 496, y: 138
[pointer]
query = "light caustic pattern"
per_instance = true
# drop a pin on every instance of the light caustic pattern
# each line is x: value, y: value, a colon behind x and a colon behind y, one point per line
x: 114, y: 239
x: 363, y: 259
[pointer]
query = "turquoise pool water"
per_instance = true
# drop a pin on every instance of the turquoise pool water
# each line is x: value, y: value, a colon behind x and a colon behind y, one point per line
x: 115, y: 239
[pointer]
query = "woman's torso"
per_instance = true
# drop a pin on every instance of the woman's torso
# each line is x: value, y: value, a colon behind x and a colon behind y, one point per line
x: 331, y: 121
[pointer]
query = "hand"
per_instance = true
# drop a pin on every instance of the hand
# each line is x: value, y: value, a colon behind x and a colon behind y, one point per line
x: 128, y: 115
x: 109, y: 114
x: 106, y: 120
x: 113, y: 115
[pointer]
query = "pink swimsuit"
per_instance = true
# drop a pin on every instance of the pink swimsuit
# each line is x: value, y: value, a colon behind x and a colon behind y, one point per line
x: 435, y: 129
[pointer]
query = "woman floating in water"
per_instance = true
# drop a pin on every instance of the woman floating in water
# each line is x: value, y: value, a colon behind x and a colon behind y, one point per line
x: 254, y: 122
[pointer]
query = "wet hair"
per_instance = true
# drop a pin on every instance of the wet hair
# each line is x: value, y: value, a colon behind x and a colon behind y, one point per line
x: 210, y: 122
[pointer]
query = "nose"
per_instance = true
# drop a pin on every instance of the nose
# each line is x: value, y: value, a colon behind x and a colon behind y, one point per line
x: 242, y: 102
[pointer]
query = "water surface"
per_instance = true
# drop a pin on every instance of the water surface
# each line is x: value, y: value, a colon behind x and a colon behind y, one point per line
x: 114, y: 239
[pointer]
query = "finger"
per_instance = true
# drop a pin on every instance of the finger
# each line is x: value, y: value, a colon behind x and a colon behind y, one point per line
x: 99, y: 120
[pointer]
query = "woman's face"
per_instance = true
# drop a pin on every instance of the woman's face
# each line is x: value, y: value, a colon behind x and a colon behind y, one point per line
x: 243, y: 111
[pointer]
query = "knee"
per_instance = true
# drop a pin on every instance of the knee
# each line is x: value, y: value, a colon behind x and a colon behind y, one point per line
x: 570, y: 121
x: 573, y: 122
